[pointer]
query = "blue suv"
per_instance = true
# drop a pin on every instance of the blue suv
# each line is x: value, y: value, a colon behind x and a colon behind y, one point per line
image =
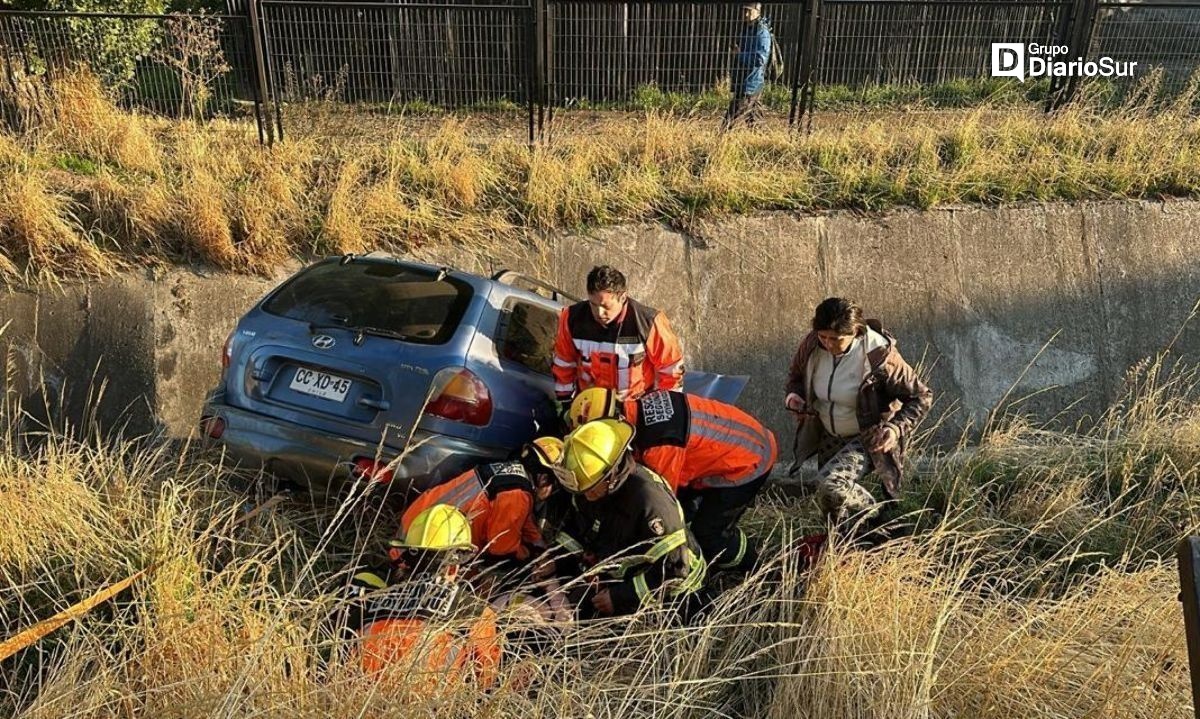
x: 354, y: 359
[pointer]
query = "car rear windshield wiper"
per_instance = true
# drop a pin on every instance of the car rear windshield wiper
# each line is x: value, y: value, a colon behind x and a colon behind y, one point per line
x: 362, y: 330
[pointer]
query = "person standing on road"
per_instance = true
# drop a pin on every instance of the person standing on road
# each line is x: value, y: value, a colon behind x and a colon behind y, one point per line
x: 858, y: 402
x: 612, y: 341
x: 750, y: 68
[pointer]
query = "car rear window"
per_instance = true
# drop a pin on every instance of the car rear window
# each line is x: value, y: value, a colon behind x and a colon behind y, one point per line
x: 382, y: 295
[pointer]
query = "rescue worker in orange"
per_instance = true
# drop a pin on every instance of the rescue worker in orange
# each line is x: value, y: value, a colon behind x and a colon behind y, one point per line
x: 715, y: 457
x: 615, y: 342
x: 498, y: 500
x: 428, y: 626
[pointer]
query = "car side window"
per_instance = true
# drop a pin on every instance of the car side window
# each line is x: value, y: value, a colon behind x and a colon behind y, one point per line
x: 526, y: 335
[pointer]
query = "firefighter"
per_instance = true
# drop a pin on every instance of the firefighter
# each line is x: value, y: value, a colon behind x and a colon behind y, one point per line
x: 429, y: 624
x: 615, y: 342
x: 498, y: 500
x: 625, y: 525
x: 715, y: 457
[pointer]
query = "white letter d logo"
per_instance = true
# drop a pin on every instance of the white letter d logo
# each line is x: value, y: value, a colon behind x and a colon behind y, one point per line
x: 1008, y: 60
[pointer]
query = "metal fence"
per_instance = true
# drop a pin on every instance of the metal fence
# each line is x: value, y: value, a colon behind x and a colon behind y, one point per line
x: 604, y: 53
x: 1162, y: 37
x: 178, y: 65
x: 924, y: 42
x: 530, y: 56
x: 447, y: 55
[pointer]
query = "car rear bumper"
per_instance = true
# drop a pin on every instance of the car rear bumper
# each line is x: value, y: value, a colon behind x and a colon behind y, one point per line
x: 323, y: 461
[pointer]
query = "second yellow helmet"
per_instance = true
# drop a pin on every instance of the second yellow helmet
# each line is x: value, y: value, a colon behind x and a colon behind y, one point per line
x: 592, y: 450
x: 592, y: 404
x: 439, y: 528
x: 547, y: 450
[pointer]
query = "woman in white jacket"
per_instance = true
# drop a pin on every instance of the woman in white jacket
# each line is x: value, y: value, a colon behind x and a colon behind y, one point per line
x: 859, y: 402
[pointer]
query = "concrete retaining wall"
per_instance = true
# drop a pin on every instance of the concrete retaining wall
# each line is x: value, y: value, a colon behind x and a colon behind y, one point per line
x: 973, y: 294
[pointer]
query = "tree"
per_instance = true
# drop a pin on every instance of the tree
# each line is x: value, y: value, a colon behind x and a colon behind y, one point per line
x: 109, y: 47
x: 191, y: 47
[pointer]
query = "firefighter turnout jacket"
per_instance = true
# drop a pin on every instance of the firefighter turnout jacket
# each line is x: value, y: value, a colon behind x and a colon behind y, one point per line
x: 497, y: 498
x: 699, y: 443
x: 638, y: 534
x: 434, y: 628
x: 635, y: 353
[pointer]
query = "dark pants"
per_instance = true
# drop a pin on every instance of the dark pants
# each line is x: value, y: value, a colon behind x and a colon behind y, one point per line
x: 713, y: 514
x: 743, y: 108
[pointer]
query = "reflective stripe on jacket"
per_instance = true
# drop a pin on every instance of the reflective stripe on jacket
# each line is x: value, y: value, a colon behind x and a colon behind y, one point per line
x: 640, y: 538
x: 699, y: 443
x: 497, y: 499
x: 637, y: 352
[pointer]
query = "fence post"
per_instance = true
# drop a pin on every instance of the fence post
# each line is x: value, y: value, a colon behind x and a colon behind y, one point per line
x: 260, y: 65
x: 1082, y: 39
x: 1064, y: 35
x: 531, y: 74
x: 546, y: 117
x: 537, y: 72
x: 806, y: 58
x: 1076, y: 34
x: 1188, y: 555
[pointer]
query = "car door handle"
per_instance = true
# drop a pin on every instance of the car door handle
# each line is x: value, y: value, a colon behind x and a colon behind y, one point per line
x: 378, y: 404
x: 261, y: 375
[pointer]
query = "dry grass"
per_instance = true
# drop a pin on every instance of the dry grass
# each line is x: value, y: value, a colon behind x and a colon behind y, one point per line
x: 1033, y: 587
x: 94, y: 187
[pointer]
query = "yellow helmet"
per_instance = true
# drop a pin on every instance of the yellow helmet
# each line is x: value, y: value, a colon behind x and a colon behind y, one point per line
x: 547, y: 450
x: 592, y: 404
x: 441, y: 527
x: 592, y: 450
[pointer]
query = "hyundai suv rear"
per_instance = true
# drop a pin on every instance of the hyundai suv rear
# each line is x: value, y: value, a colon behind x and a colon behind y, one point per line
x: 353, y: 359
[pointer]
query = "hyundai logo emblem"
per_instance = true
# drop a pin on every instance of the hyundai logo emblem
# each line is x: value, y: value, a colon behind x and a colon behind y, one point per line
x: 323, y: 342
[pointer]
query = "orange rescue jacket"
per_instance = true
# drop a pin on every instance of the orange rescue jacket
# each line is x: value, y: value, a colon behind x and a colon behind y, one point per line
x: 699, y: 443
x: 431, y: 631
x: 636, y: 353
x: 497, y: 499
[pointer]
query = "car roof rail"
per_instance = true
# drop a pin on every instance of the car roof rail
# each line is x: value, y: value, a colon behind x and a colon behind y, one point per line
x: 512, y: 277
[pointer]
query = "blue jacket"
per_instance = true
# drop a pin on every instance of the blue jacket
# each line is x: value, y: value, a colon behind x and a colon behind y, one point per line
x: 752, y: 59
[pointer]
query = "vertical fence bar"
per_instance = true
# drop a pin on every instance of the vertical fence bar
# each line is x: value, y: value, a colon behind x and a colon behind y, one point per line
x: 533, y: 71
x: 799, y: 75
x: 1188, y: 555
x: 260, y: 64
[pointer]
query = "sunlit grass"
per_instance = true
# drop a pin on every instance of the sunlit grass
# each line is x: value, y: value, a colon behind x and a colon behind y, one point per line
x: 95, y: 188
x: 1036, y: 582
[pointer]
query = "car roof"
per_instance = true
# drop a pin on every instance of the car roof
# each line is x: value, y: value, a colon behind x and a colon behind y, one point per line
x: 476, y: 280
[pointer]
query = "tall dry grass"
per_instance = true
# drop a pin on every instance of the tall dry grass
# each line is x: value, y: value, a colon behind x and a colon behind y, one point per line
x: 99, y: 186
x: 1033, y: 585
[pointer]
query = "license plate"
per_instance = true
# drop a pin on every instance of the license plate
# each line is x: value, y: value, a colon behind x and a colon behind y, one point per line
x: 321, y: 384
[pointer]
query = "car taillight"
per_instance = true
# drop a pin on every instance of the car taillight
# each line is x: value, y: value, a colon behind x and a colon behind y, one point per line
x: 212, y: 427
x: 366, y: 468
x: 227, y: 351
x: 463, y: 397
